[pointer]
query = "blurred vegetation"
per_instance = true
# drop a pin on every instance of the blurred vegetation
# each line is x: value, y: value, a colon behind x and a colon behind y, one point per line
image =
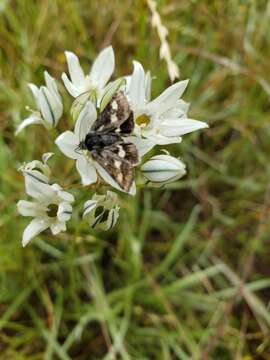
x: 185, y: 274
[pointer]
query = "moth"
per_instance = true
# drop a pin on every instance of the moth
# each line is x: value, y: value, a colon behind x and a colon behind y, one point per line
x: 106, y: 141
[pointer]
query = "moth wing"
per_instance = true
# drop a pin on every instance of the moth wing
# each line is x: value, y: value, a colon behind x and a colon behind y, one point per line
x: 128, y: 126
x: 115, y: 114
x: 118, y: 168
x: 126, y: 151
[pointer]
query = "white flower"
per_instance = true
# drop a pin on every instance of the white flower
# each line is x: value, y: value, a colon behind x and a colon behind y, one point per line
x: 51, y: 207
x: 97, y: 78
x: 163, y: 169
x: 38, y: 165
x: 163, y: 120
x: 102, y: 211
x: 49, y: 105
x: 68, y: 143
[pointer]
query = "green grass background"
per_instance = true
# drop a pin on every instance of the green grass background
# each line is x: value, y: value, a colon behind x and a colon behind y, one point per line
x: 186, y: 272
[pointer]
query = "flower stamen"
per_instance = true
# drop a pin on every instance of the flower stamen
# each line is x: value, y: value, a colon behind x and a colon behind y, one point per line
x: 143, y: 120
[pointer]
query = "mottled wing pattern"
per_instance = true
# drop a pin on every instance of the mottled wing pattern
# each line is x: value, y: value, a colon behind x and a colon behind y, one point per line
x: 128, y: 126
x: 119, y: 161
x: 127, y: 151
x: 115, y: 114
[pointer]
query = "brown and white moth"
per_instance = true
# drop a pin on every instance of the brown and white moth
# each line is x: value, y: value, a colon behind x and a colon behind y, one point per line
x: 106, y: 142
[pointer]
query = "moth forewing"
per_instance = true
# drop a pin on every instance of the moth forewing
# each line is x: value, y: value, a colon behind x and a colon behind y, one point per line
x: 114, y: 114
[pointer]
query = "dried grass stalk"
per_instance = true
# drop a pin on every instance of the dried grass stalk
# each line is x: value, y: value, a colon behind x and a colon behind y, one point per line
x: 164, y: 52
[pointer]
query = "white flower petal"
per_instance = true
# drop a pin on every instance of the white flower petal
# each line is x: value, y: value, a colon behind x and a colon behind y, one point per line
x: 64, y: 212
x: 137, y: 84
x: 159, y: 139
x: 56, y: 105
x: 142, y: 145
x: 63, y: 195
x: 163, y: 168
x: 89, y: 206
x: 31, y: 120
x: 67, y: 143
x: 87, y: 171
x: 51, y: 84
x: 148, y: 83
x: 47, y: 111
x: 27, y: 170
x: 103, y: 67
x: 179, y: 110
x: 75, y: 71
x: 35, y: 227
x: 28, y: 208
x: 57, y: 227
x: 183, y: 105
x: 178, y: 127
x: 72, y: 89
x: 56, y: 187
x: 85, y: 121
x: 36, y: 188
x: 32, y: 165
x: 66, y: 196
x: 96, y: 222
x: 47, y: 156
x: 35, y: 90
x: 112, y: 218
x: 168, y: 98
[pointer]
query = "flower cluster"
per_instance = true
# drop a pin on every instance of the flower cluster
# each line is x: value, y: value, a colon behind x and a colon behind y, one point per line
x: 119, y: 139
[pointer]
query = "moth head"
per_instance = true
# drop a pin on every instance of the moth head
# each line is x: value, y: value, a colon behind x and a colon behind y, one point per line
x: 80, y: 147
